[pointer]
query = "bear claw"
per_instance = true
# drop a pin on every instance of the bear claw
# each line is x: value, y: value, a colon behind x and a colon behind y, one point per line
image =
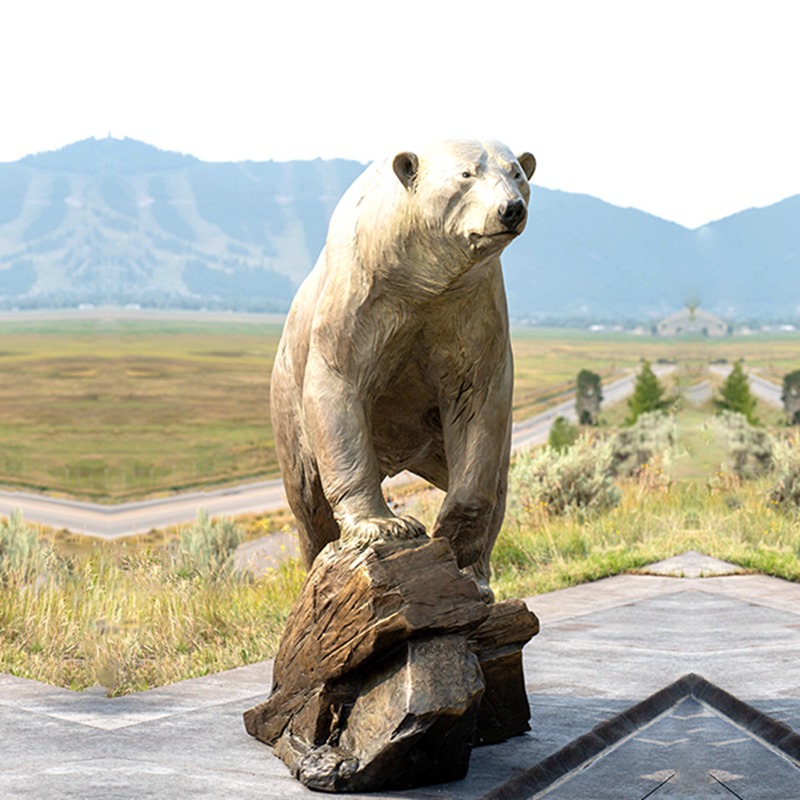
x: 362, y: 533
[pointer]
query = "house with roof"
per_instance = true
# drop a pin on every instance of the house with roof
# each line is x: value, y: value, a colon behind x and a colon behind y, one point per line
x: 692, y: 321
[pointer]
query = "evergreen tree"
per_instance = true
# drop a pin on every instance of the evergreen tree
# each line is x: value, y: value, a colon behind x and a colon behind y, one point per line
x: 735, y: 395
x: 648, y: 394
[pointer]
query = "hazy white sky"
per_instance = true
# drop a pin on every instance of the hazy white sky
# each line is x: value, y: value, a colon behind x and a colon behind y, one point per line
x: 686, y: 109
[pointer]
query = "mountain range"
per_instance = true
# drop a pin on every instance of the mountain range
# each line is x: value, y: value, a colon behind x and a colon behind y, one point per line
x: 117, y: 221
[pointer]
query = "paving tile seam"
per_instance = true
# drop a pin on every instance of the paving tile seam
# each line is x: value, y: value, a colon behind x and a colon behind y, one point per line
x: 117, y: 705
x: 124, y: 764
x: 101, y: 721
x: 65, y: 761
x: 622, y: 582
x: 676, y: 650
x: 554, y: 617
x: 553, y: 607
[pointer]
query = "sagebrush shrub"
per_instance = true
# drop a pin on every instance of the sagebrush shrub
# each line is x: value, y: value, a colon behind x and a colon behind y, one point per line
x: 576, y: 481
x: 563, y: 434
x: 208, y: 546
x: 750, y: 448
x: 649, y: 438
x: 21, y: 553
x: 785, y: 491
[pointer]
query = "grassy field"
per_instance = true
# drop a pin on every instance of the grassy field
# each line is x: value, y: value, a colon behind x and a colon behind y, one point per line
x: 118, y: 410
x: 114, y: 411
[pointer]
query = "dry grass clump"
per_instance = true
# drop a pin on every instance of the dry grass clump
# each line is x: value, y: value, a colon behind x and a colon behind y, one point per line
x: 131, y: 619
x: 785, y: 489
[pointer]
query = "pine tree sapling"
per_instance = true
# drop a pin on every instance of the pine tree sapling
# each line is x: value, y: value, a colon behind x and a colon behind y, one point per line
x: 648, y: 395
x: 735, y: 395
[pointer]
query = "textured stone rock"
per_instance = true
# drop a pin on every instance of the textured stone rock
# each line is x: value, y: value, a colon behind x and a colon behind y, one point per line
x: 389, y: 662
x: 406, y: 727
x: 374, y: 684
x: 498, y: 641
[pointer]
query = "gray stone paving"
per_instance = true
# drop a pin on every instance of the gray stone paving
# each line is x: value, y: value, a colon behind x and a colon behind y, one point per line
x: 603, y: 647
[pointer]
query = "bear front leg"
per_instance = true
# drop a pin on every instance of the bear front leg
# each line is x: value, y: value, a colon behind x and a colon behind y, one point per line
x: 477, y: 434
x: 338, y: 432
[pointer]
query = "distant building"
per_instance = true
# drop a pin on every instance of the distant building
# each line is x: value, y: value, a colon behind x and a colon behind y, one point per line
x: 692, y: 321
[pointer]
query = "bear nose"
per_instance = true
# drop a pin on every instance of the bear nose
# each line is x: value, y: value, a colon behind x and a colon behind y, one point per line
x: 512, y: 213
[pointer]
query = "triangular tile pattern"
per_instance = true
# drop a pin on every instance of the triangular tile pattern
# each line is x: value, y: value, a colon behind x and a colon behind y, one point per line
x: 690, y: 740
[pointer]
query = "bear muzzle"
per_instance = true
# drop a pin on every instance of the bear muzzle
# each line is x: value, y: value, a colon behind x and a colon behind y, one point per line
x: 511, y: 214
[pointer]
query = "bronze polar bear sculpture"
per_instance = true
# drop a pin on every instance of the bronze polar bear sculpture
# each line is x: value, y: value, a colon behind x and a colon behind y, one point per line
x: 396, y: 355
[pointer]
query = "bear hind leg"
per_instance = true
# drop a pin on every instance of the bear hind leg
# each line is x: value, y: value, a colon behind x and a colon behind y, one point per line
x: 313, y: 514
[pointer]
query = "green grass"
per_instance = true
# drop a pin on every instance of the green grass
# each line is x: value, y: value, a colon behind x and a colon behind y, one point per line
x: 117, y: 410
x: 700, y: 450
x: 646, y: 527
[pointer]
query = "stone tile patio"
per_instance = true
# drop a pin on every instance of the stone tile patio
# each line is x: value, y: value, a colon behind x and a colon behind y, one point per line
x: 604, y: 647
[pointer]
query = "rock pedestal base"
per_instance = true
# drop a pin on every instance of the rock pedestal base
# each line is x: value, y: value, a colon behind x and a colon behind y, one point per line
x: 390, y: 669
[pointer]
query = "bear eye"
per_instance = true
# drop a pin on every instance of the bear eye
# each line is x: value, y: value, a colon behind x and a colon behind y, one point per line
x: 466, y: 174
x: 517, y: 175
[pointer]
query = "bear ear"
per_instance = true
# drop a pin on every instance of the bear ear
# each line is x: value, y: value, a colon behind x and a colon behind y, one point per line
x: 528, y: 163
x: 405, y: 167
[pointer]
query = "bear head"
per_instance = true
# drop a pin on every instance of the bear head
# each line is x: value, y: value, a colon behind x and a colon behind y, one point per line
x: 473, y: 194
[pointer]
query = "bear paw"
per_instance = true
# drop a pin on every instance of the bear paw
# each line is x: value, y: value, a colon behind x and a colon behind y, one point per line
x: 362, y: 533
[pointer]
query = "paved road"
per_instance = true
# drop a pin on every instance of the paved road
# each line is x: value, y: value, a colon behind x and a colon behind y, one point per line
x: 698, y: 394
x: 766, y: 390
x: 120, y: 521
x: 127, y: 519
